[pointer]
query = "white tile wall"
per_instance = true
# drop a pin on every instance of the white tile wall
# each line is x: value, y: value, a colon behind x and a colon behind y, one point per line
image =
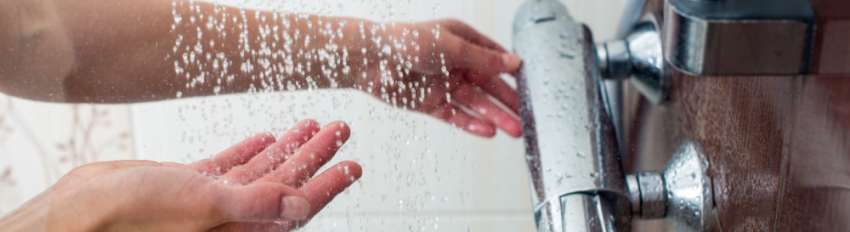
x: 40, y: 142
x: 419, y: 173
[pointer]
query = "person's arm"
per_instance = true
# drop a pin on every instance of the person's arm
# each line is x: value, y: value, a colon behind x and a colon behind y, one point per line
x: 260, y: 184
x: 122, y: 51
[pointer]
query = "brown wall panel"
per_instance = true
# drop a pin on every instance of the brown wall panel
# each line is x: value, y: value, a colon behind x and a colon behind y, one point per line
x: 779, y: 146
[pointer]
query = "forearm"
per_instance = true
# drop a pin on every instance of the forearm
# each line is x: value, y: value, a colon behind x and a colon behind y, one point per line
x: 226, y: 50
x: 32, y: 216
x: 130, y: 51
x: 48, y: 212
x: 204, y: 49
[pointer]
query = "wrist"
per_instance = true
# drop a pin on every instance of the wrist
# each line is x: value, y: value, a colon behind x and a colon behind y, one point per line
x: 31, y: 216
x: 76, y: 209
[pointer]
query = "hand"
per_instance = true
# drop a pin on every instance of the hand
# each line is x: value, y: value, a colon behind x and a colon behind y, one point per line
x: 434, y: 68
x: 257, y: 185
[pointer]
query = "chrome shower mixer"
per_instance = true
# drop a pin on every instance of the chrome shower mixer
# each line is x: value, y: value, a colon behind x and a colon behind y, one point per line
x: 572, y: 147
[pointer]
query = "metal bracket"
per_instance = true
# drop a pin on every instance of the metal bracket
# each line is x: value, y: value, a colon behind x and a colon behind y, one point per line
x: 753, y: 37
x: 638, y: 56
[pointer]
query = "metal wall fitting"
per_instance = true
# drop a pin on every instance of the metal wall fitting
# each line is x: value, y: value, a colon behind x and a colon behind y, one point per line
x: 632, y: 186
x: 753, y: 37
x: 682, y: 194
x: 690, y: 202
x: 638, y: 56
x: 615, y: 59
x: 653, y: 195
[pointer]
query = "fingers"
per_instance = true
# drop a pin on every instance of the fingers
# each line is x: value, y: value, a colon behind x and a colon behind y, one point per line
x: 467, y: 56
x: 467, y: 95
x: 459, y: 118
x: 470, y: 34
x: 233, y: 156
x: 260, y: 202
x: 496, y: 87
x: 273, y: 155
x: 320, y: 191
x: 251, y: 227
x: 312, y: 156
x: 324, y: 187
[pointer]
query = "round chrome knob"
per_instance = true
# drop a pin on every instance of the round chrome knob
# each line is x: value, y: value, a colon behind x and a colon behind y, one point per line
x: 681, y: 193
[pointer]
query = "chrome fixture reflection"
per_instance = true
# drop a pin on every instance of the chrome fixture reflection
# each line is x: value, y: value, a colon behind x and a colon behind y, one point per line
x: 572, y: 151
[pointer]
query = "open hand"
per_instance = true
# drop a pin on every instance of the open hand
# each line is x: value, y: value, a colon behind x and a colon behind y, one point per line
x: 257, y: 185
x: 438, y: 68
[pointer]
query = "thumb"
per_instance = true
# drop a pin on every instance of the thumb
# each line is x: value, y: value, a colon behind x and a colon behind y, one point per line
x: 261, y: 202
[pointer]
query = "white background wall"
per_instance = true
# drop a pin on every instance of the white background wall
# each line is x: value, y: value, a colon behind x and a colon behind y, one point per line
x: 419, y: 173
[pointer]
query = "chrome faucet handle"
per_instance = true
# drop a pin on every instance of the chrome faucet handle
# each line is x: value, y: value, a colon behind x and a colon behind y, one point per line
x: 638, y: 56
x: 682, y: 193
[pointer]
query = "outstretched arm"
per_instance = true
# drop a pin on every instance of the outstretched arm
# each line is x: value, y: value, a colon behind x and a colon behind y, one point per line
x: 122, y: 51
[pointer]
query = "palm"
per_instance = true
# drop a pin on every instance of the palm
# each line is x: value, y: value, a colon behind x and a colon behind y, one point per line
x: 220, y: 194
x: 143, y: 185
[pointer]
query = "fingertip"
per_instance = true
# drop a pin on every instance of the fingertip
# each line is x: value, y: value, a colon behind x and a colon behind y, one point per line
x: 481, y: 128
x: 353, y: 169
x: 510, y: 125
x: 257, y: 142
x: 342, y: 130
x: 265, y: 138
x: 510, y: 62
x: 515, y: 133
x: 308, y: 124
x: 242, y: 151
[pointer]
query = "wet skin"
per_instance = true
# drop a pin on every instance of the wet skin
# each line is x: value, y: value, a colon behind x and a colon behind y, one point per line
x: 124, y: 51
x: 260, y: 184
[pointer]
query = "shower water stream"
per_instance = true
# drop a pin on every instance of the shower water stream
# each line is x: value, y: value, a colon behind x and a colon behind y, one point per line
x: 420, y: 174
